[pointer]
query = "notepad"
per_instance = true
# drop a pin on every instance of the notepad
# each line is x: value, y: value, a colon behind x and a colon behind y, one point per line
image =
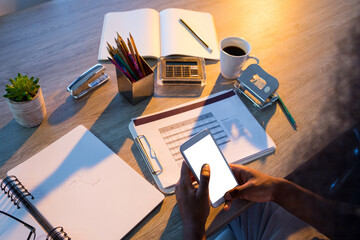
x: 238, y: 134
x: 161, y: 34
x: 78, y: 183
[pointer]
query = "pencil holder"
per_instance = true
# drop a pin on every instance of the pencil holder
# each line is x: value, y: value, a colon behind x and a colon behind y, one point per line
x: 137, y: 91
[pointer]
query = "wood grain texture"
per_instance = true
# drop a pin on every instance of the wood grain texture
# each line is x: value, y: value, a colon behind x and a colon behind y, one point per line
x: 304, y: 44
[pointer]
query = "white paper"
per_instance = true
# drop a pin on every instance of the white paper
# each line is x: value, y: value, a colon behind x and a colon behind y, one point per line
x: 80, y: 184
x: 177, y: 40
x: 144, y: 26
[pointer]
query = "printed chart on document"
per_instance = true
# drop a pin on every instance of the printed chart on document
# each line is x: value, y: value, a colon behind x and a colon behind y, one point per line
x: 176, y: 134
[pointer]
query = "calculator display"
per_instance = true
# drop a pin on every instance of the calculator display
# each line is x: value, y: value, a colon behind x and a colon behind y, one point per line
x: 180, y: 63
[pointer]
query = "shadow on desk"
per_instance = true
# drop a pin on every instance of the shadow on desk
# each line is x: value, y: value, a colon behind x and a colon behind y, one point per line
x: 68, y: 109
x: 172, y: 230
x: 116, y: 135
x: 13, y: 136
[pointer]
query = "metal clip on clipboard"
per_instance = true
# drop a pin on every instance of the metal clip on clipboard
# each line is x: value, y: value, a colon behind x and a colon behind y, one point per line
x: 155, y: 170
x: 88, y: 81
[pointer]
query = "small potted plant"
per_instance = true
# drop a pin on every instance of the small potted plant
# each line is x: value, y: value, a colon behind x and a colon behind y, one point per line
x: 26, y: 101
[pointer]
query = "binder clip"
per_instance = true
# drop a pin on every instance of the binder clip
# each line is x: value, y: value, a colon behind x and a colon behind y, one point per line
x: 258, y: 86
x: 88, y: 81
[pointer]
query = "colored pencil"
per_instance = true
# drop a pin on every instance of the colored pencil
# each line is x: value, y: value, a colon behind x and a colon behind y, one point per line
x: 125, y: 51
x: 137, y: 55
x: 122, y: 70
x: 122, y: 63
x: 119, y: 51
x: 116, y: 57
x: 132, y: 57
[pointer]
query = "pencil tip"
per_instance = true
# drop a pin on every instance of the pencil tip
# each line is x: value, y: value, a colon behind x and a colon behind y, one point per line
x: 118, y: 35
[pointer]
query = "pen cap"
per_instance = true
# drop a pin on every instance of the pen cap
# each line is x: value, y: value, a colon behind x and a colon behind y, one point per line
x: 135, y: 92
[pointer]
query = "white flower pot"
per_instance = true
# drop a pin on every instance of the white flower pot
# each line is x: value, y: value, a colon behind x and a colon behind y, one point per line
x: 29, y: 113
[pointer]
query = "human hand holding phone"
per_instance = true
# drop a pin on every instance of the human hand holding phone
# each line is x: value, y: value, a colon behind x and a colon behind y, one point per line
x: 202, y: 149
x: 253, y: 186
x: 193, y: 203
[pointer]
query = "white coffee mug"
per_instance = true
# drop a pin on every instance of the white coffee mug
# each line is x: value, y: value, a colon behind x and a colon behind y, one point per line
x: 231, y: 65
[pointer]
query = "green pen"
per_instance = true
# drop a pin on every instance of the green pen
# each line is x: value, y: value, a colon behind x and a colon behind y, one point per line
x: 287, y: 113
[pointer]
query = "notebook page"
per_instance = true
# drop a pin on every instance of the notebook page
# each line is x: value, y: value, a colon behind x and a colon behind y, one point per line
x: 177, y: 40
x: 80, y: 184
x: 144, y: 26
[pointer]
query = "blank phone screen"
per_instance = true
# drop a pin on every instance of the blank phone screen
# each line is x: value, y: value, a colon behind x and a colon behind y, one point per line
x: 221, y: 177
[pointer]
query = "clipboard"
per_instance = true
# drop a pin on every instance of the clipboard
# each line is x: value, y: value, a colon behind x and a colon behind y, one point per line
x: 238, y: 134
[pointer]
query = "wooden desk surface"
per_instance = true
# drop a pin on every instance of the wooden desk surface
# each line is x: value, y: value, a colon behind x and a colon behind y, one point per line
x: 306, y: 45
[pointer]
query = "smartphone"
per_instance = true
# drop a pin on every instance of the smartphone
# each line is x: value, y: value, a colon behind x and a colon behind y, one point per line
x: 202, y: 149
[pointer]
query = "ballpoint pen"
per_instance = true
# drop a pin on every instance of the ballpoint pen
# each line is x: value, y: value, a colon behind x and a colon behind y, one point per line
x: 293, y: 123
x: 197, y: 36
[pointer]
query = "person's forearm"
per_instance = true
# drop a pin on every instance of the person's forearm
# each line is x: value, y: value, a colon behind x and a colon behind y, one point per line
x: 194, y: 232
x: 306, y: 205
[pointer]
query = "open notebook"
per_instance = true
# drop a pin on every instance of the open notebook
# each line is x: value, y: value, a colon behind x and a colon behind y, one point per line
x: 78, y: 183
x: 161, y: 34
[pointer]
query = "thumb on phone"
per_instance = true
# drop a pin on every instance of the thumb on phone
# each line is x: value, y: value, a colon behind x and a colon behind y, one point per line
x: 204, y: 180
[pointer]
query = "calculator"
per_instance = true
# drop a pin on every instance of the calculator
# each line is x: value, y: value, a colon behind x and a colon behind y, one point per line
x: 181, y: 71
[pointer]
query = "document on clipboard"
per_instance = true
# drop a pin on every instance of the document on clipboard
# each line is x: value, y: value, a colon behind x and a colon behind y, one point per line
x: 159, y: 136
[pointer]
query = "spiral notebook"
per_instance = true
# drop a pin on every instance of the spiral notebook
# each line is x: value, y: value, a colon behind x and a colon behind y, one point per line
x: 78, y: 185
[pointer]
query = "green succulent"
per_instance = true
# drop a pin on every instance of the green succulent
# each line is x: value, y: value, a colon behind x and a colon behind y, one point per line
x: 22, y: 89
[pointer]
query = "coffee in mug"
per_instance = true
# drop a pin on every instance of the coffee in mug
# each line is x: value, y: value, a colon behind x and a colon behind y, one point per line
x: 234, y: 52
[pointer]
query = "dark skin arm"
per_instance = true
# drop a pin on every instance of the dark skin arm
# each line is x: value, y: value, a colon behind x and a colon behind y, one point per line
x: 255, y: 186
x: 306, y: 205
x: 194, y: 203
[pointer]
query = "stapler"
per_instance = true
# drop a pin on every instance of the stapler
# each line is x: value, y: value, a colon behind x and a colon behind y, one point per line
x: 88, y: 81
